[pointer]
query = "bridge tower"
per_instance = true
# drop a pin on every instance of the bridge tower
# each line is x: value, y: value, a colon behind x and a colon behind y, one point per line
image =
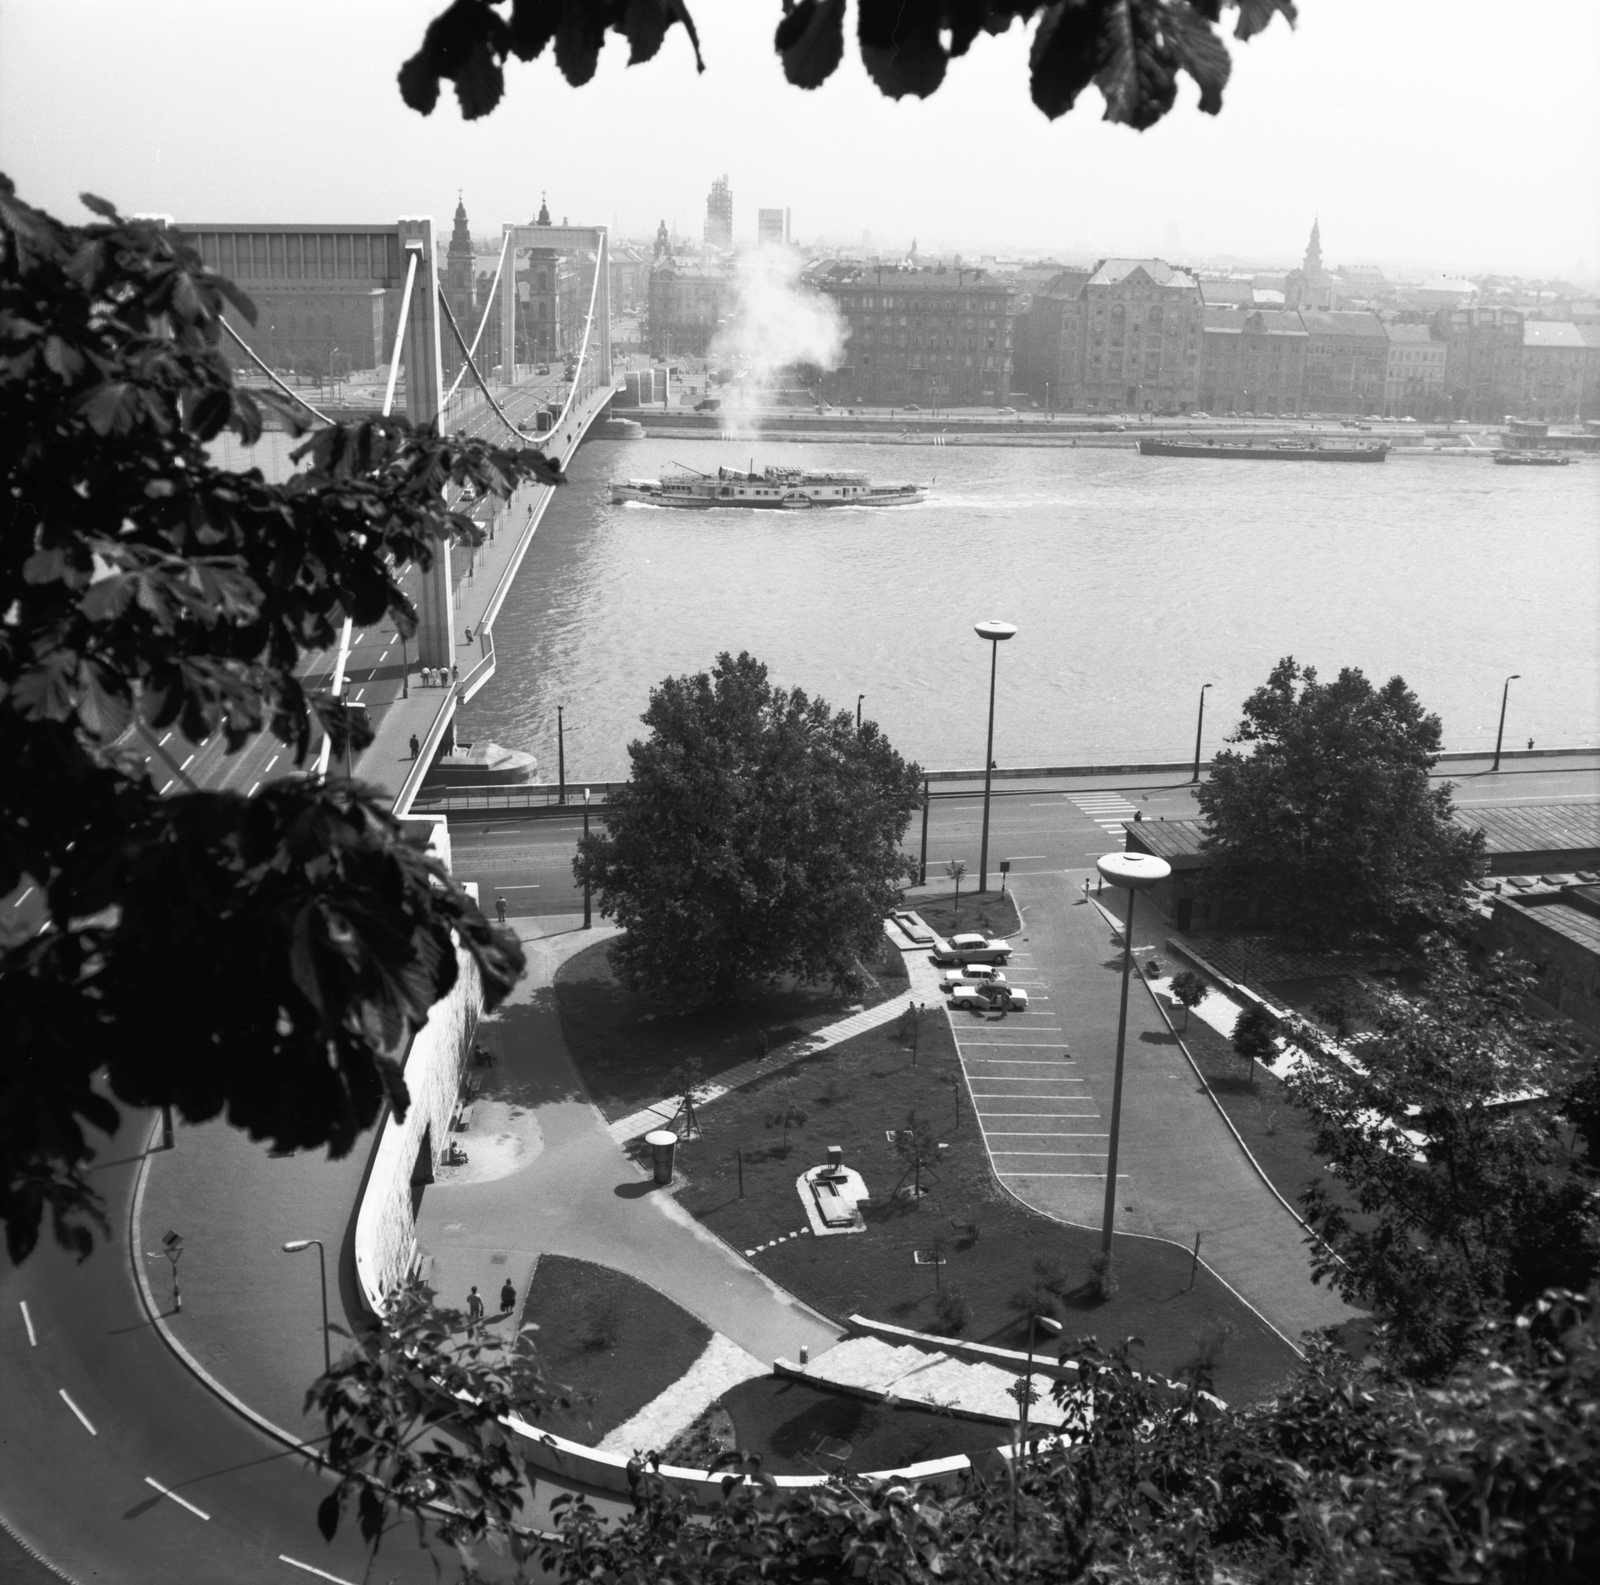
x: 436, y: 625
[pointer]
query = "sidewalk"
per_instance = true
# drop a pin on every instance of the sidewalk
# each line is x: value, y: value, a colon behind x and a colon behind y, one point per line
x: 545, y: 1176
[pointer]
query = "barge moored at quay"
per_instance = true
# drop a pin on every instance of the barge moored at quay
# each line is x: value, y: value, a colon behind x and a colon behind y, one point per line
x: 780, y: 489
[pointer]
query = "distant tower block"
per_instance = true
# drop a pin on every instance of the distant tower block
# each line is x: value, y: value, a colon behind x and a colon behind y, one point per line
x: 719, y: 214
x: 770, y: 231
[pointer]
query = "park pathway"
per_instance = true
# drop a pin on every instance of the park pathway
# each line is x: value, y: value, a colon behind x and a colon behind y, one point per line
x: 546, y: 1177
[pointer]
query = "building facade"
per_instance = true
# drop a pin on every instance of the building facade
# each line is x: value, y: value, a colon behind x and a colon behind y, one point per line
x: 549, y: 315
x: 461, y: 293
x: 1483, y: 361
x: 719, y: 215
x: 772, y: 228
x: 1131, y: 341
x: 1347, y: 362
x: 933, y: 337
x: 1557, y: 370
x: 1414, y: 386
x: 1040, y: 329
x: 684, y: 304
x: 1253, y: 360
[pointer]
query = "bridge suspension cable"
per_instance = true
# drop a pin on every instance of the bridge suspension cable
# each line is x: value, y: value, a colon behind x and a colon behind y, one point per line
x: 289, y: 391
x: 488, y: 308
x: 466, y: 352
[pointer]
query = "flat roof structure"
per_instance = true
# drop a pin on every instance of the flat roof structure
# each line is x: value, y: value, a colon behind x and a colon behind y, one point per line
x: 1534, y: 828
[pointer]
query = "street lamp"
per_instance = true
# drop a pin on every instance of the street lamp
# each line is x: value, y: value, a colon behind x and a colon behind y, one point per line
x: 1199, y: 722
x: 561, y: 756
x: 859, y: 698
x: 1502, y: 732
x: 995, y: 633
x: 293, y: 1247
x: 1135, y: 872
x: 586, y: 921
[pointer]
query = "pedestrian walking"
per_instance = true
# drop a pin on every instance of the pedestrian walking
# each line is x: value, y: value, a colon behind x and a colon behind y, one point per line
x: 416, y: 747
x: 508, y: 1297
x: 1530, y: 745
x: 455, y: 672
x: 469, y: 635
x: 474, y: 1309
x: 500, y: 908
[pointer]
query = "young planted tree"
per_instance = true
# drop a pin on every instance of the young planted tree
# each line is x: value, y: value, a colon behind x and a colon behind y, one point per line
x: 688, y: 1082
x: 787, y: 1116
x: 1449, y: 1139
x: 1188, y: 990
x: 917, y: 1145
x: 758, y: 836
x: 1255, y: 1036
x: 1328, y: 825
x: 955, y: 869
x: 266, y: 957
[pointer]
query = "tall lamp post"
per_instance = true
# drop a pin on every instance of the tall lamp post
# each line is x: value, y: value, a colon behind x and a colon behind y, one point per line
x: 1200, y: 721
x: 859, y: 698
x: 561, y: 756
x: 995, y: 633
x: 1502, y: 732
x: 586, y: 920
x: 1134, y: 872
x: 293, y: 1247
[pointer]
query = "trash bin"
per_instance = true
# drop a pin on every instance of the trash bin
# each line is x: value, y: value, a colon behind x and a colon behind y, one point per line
x: 662, y: 1142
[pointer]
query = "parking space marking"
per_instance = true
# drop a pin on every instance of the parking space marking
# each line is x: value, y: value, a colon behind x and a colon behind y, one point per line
x: 77, y: 1411
x: 294, y: 1562
x: 27, y: 1321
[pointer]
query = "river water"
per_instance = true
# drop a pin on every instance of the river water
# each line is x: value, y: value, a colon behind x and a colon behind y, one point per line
x: 1131, y: 580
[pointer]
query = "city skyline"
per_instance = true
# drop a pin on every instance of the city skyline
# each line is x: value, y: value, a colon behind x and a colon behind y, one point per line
x: 1357, y: 118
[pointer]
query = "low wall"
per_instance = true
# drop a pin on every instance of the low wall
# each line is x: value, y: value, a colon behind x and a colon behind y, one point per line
x: 386, y: 1233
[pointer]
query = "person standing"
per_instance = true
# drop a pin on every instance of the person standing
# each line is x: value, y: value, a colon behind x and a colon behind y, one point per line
x: 508, y: 1297
x: 416, y: 747
x: 500, y: 908
x: 474, y: 1309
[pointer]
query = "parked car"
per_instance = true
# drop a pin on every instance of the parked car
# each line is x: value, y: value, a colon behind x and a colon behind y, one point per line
x: 989, y: 998
x: 708, y: 404
x: 971, y: 947
x: 911, y: 407
x: 970, y: 974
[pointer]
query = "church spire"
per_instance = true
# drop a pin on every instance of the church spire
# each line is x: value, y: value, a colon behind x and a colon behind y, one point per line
x: 544, y: 212
x: 1313, y: 261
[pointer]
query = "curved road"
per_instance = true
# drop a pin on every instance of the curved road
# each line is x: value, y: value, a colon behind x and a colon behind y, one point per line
x: 99, y: 1414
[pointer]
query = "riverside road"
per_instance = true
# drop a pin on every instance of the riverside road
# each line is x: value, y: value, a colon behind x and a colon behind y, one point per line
x: 1058, y: 829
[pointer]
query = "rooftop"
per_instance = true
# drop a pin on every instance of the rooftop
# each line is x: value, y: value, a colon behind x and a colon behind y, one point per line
x: 1410, y: 333
x: 1534, y: 828
x: 1257, y: 321
x: 1552, y: 333
x: 1110, y: 272
x: 1336, y: 322
x: 1555, y: 913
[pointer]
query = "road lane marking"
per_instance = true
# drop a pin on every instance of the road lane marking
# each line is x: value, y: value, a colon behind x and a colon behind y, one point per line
x: 27, y: 1321
x: 188, y: 762
x: 77, y: 1411
x: 183, y: 1502
x: 1017, y: 858
x: 164, y: 739
x: 252, y: 792
x: 294, y: 1562
x: 273, y: 761
x: 357, y: 699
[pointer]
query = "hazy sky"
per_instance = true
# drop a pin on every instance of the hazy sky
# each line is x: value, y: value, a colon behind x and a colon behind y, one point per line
x: 1442, y: 133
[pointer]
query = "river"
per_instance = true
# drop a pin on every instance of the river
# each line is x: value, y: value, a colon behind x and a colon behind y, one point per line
x: 1131, y: 581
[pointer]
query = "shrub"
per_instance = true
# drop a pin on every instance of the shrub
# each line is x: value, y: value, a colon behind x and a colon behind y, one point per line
x: 950, y: 1310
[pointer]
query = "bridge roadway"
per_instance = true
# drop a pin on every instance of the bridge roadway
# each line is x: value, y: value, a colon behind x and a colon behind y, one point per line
x: 98, y: 1406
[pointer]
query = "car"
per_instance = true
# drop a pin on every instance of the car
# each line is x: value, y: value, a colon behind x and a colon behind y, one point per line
x: 544, y: 368
x: 708, y: 404
x: 1199, y: 415
x: 1008, y: 410
x: 970, y: 974
x: 990, y: 998
x: 972, y: 947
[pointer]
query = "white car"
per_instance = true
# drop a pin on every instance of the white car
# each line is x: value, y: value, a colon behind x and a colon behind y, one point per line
x: 972, y: 947
x: 990, y: 998
x: 971, y: 974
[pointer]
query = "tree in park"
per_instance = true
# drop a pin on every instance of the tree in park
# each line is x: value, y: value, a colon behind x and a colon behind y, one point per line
x: 1188, y: 990
x: 758, y: 836
x: 262, y: 957
x: 1255, y: 1036
x: 917, y: 1145
x: 1328, y: 826
x: 955, y: 869
x: 1460, y: 1197
x: 1133, y: 51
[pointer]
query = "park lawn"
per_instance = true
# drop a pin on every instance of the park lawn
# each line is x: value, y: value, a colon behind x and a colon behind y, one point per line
x: 612, y: 1341
x: 850, y: 1094
x: 992, y: 912
x: 626, y: 1047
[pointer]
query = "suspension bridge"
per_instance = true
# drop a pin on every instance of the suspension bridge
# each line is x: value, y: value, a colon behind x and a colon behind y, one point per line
x: 527, y: 362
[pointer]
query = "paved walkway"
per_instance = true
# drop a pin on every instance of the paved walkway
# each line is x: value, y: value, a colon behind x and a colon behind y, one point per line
x: 562, y: 1185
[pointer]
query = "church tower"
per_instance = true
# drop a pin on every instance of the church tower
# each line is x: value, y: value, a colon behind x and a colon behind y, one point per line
x: 458, y: 259
x: 1313, y: 260
x: 544, y: 212
x: 663, y: 247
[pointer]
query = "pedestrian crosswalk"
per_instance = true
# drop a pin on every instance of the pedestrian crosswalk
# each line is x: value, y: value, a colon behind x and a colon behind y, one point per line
x: 1108, y: 810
